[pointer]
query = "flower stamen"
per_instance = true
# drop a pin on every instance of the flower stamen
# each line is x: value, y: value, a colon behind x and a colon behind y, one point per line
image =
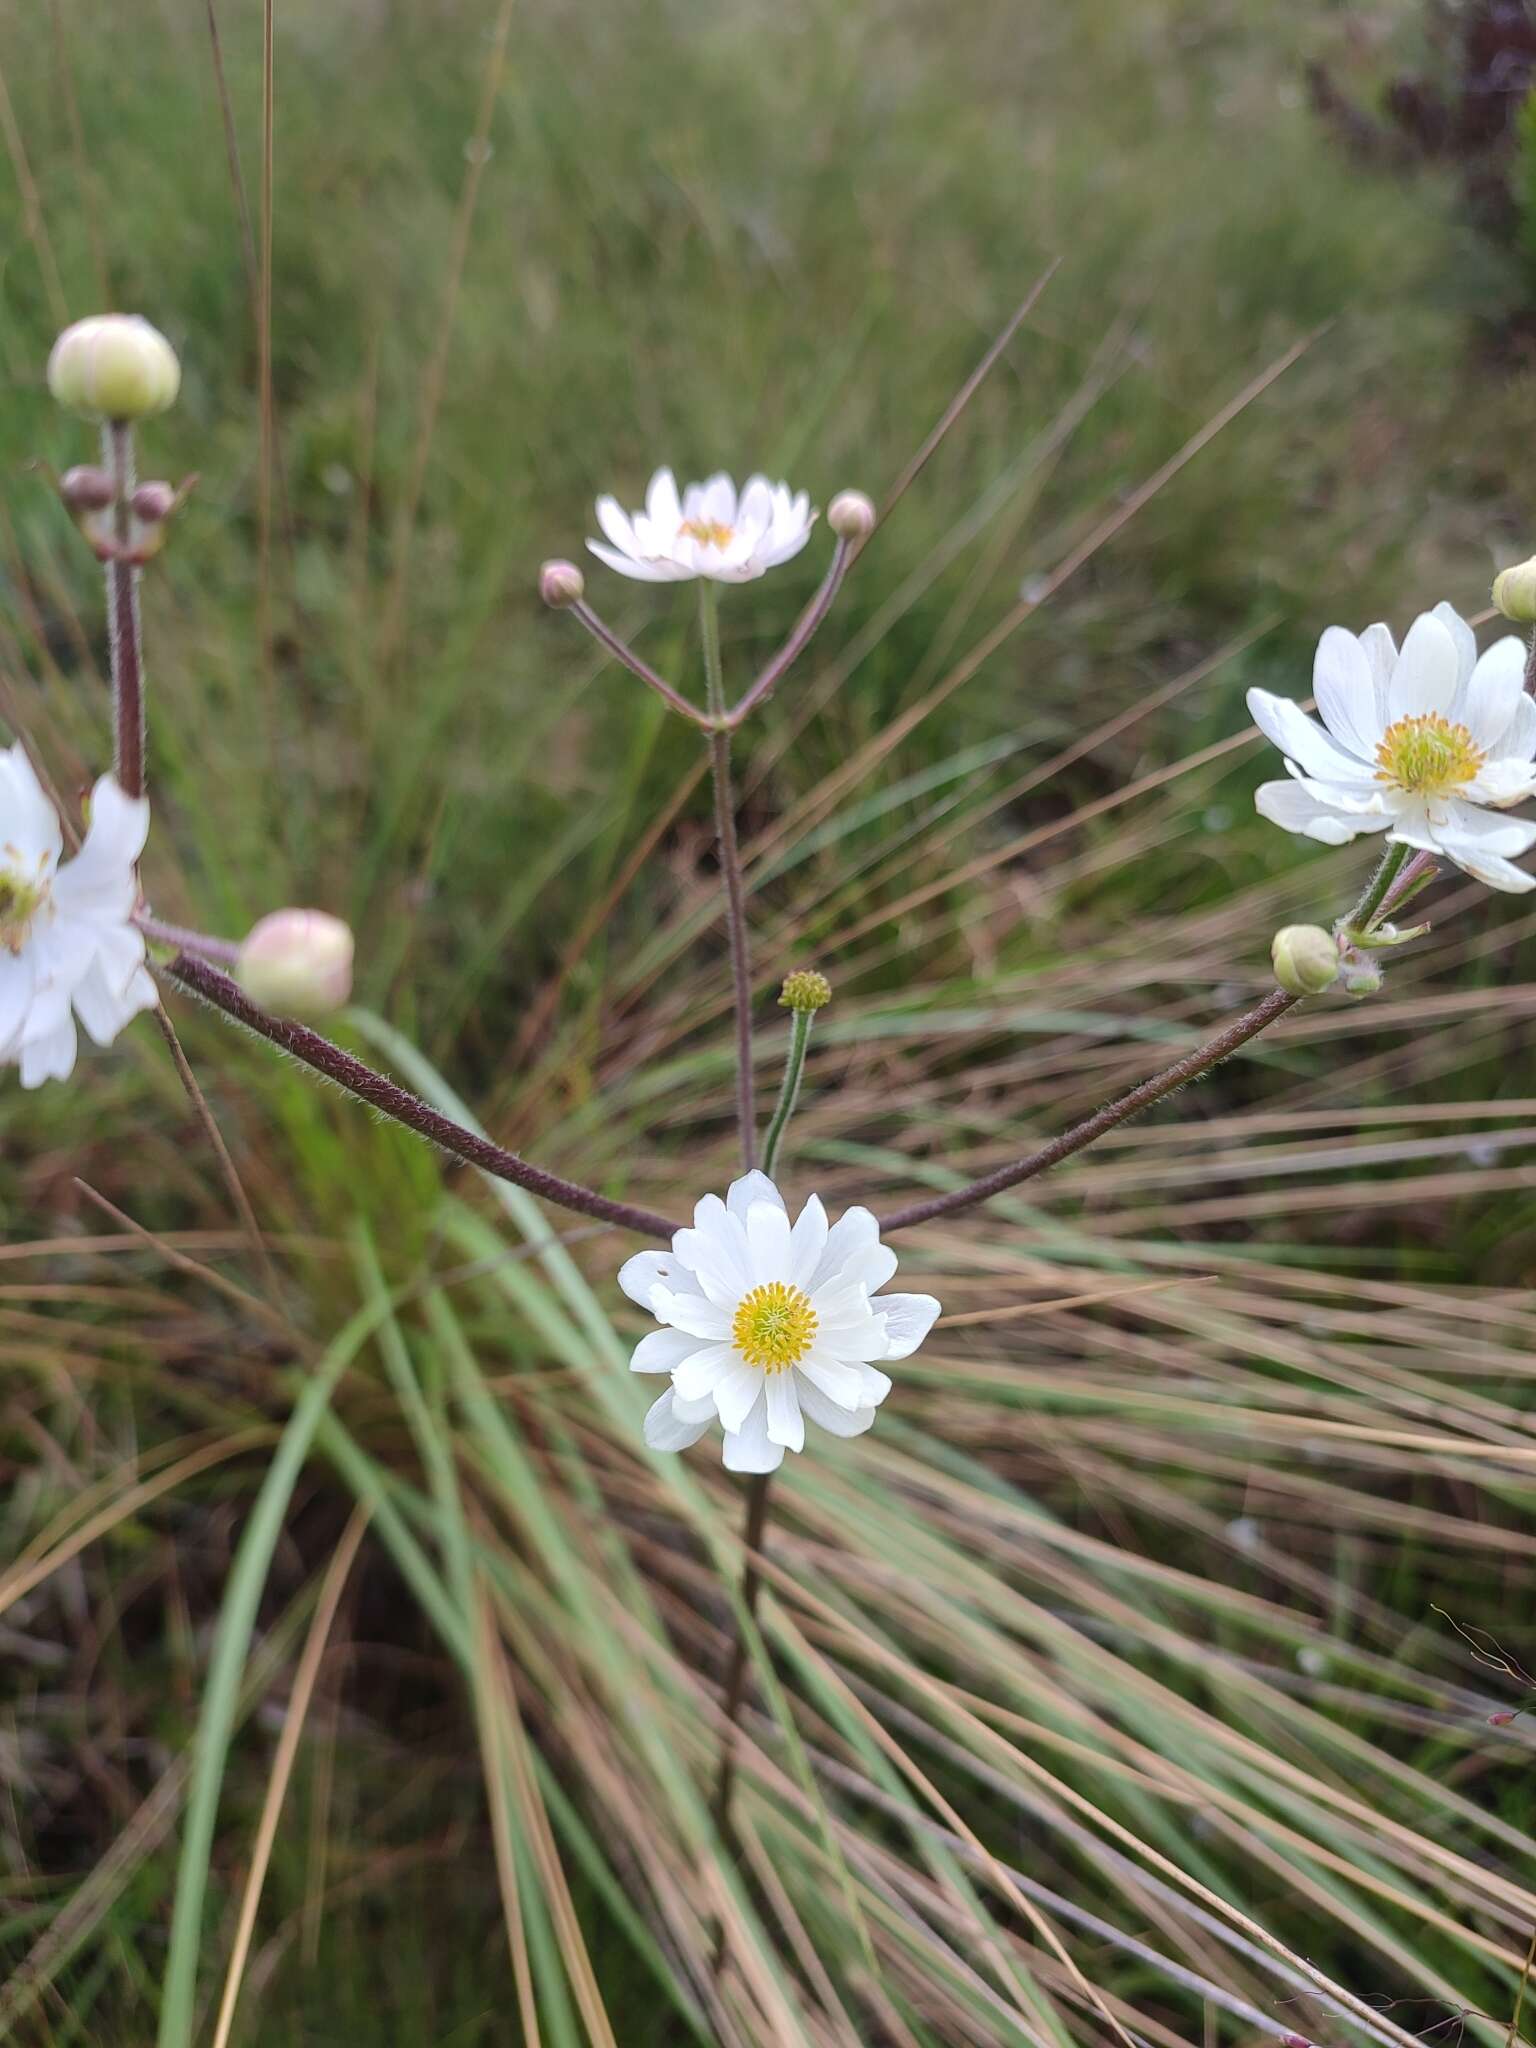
x: 708, y: 532
x: 19, y: 903
x: 1427, y: 755
x: 774, y: 1326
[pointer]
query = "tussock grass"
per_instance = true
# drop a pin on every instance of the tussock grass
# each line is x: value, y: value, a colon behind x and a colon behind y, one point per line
x: 1101, y: 1693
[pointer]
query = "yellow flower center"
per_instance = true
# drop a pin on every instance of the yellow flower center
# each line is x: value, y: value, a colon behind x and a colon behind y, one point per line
x: 774, y: 1326
x: 19, y: 901
x: 707, y: 531
x: 1427, y: 755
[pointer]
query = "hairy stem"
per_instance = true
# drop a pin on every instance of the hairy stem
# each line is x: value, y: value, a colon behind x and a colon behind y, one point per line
x: 805, y: 626
x: 1376, y: 891
x: 124, y: 637
x: 185, y: 940
x: 621, y: 651
x: 1189, y: 1068
x: 730, y: 874
x: 789, y: 1094
x: 201, y: 978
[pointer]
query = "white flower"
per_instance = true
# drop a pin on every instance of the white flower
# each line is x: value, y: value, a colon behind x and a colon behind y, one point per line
x: 710, y: 531
x: 764, y: 1324
x: 1421, y: 745
x: 65, y: 936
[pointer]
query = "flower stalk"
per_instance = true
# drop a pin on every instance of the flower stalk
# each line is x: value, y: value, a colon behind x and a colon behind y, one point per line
x: 201, y: 978
x: 730, y: 873
x: 124, y: 638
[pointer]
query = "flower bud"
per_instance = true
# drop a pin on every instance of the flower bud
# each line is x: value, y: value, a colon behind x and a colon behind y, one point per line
x: 1306, y: 959
x: 851, y: 516
x: 1501, y: 1717
x: 805, y: 990
x: 560, y: 584
x: 1514, y: 592
x: 114, y: 367
x: 1362, y: 977
x: 153, y: 502
x: 85, y: 490
x: 297, y: 963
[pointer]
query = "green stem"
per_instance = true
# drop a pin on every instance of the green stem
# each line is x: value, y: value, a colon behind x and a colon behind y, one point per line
x: 794, y: 1069
x: 709, y: 629
x: 1376, y: 891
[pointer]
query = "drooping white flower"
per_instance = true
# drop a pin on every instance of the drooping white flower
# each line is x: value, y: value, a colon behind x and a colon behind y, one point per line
x: 67, y: 946
x: 765, y: 1324
x: 710, y: 531
x: 1422, y: 744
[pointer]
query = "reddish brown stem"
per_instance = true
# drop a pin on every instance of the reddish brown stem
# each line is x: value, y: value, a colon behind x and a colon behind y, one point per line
x: 201, y: 978
x: 124, y: 638
x: 1189, y: 1068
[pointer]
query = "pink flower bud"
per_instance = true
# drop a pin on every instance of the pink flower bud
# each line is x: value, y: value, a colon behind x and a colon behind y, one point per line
x: 153, y: 502
x: 85, y: 489
x: 560, y: 584
x: 297, y: 963
x: 1501, y: 1718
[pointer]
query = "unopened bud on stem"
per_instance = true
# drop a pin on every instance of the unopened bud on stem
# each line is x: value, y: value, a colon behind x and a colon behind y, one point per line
x: 851, y: 516
x: 153, y: 502
x: 1306, y: 959
x: 805, y: 990
x: 561, y: 584
x: 297, y: 963
x: 1514, y: 592
x: 114, y: 366
x: 85, y: 489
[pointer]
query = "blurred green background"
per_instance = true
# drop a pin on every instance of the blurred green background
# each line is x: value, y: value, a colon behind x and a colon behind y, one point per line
x: 510, y: 271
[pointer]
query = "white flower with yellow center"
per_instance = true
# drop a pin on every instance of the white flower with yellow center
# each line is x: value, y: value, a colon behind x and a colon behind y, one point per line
x: 765, y: 1323
x: 1422, y: 744
x: 67, y: 946
x: 712, y: 530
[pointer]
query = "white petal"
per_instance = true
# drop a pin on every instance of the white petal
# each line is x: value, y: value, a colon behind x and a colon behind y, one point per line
x: 1294, y: 806
x: 104, y: 1010
x: 1492, y: 696
x: 30, y: 835
x: 784, y: 1422
x: 750, y: 1449
x: 715, y: 1251
x: 1501, y: 782
x: 1427, y: 672
x: 641, y: 572
x: 843, y: 1384
x: 875, y: 1385
x: 735, y: 1392
x: 691, y: 1312
x: 661, y: 503
x: 662, y: 1351
x: 807, y: 1241
x: 854, y: 1343
x: 854, y: 1231
x: 648, y: 1270
x: 665, y: 1430
x: 826, y: 1414
x: 15, y: 996
x: 868, y: 1266
x: 699, y: 1375
x: 701, y: 1411
x: 718, y: 498
x: 1346, y: 692
x: 618, y: 526
x: 1519, y: 742
x: 49, y: 1057
x: 1300, y: 738
x: 1463, y: 639
x: 768, y: 1242
x: 752, y: 1187
x: 908, y: 1319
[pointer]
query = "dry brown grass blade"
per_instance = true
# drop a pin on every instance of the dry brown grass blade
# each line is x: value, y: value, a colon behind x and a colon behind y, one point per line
x: 494, y: 1757
x: 294, y: 1720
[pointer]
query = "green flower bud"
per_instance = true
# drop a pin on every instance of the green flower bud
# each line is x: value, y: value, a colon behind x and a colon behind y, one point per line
x: 805, y: 990
x: 851, y: 516
x: 114, y: 366
x: 1306, y: 959
x: 1514, y: 592
x: 297, y: 963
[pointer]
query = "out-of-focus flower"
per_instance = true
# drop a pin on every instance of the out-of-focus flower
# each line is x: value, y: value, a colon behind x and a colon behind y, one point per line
x: 114, y: 366
x: 765, y: 1323
x: 560, y: 584
x: 1423, y: 745
x: 67, y: 946
x: 297, y: 963
x: 851, y: 515
x: 712, y: 530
